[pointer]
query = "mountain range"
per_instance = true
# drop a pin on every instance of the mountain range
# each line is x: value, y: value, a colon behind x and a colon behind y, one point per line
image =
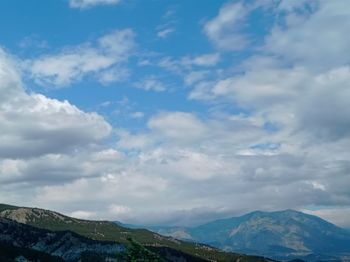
x: 281, y: 235
x: 42, y: 235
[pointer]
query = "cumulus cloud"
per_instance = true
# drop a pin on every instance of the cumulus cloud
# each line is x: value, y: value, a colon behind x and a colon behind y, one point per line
x: 84, y: 4
x: 42, y: 139
x: 103, y: 59
x: 33, y: 125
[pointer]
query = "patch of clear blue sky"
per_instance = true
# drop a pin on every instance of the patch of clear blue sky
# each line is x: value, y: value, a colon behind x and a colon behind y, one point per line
x: 52, y: 25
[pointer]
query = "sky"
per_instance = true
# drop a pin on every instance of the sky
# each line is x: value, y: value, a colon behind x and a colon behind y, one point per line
x: 175, y: 112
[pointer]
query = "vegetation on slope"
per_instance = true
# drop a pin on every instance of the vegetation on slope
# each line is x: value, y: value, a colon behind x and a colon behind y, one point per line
x: 9, y: 253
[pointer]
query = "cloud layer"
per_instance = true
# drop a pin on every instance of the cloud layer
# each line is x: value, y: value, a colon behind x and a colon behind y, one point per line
x: 285, y: 143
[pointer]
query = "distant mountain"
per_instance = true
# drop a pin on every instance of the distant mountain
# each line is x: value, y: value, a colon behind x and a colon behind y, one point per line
x: 280, y: 235
x: 143, y: 241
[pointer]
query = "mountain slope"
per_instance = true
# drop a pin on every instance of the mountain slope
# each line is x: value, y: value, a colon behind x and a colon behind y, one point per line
x: 20, y: 242
x: 51, y: 246
x: 280, y: 235
x: 108, y: 231
x: 10, y: 253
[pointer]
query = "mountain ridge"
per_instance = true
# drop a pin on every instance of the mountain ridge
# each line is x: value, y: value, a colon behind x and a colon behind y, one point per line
x: 109, y: 231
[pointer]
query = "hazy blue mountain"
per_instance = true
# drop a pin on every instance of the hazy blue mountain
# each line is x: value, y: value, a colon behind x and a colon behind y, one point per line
x: 281, y: 235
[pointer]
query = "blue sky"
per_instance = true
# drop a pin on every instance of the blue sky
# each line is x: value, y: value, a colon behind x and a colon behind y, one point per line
x: 54, y: 27
x: 202, y: 109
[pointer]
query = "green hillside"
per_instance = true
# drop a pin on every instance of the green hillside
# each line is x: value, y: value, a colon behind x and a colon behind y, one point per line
x: 7, y: 207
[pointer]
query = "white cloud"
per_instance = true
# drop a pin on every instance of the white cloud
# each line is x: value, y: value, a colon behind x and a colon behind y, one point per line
x: 112, y: 75
x: 178, y: 125
x: 259, y: 88
x: 338, y: 216
x: 167, y: 27
x: 178, y: 160
x: 195, y: 165
x: 137, y: 114
x: 130, y: 141
x: 187, y: 63
x: 192, y: 68
x: 195, y: 76
x: 202, y: 90
x: 104, y: 60
x: 84, y: 4
x: 317, y: 38
x: 288, y: 97
x: 224, y: 29
x: 151, y: 83
x: 164, y: 33
x: 296, y: 71
x: 32, y: 124
x: 119, y: 210
x: 202, y: 60
x: 83, y: 214
x: 170, y: 64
